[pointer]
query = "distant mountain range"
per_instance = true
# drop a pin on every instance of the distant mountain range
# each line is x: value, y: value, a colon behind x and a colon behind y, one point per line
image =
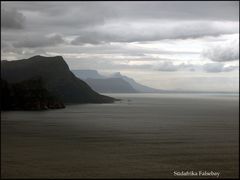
x: 56, y: 76
x: 118, y: 83
x: 115, y: 83
x: 110, y: 85
x: 137, y: 86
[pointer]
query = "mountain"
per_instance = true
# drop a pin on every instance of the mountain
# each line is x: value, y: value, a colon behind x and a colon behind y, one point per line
x: 85, y: 74
x: 139, y: 87
x: 104, y: 84
x: 57, y: 77
x: 27, y: 95
x: 110, y: 85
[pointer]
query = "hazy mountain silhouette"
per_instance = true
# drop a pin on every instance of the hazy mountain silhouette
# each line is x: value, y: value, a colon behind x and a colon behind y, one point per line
x: 110, y: 85
x: 139, y: 87
x: 58, y: 79
x: 88, y: 73
x: 114, y: 83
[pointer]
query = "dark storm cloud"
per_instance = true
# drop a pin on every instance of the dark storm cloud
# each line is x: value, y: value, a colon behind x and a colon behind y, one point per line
x: 38, y: 41
x: 12, y: 19
x: 104, y: 22
x: 62, y: 14
x: 197, y: 10
x: 144, y: 32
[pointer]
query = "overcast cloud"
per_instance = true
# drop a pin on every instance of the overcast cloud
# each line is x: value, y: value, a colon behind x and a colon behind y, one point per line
x: 12, y: 19
x: 39, y: 41
x: 160, y: 38
x: 226, y: 51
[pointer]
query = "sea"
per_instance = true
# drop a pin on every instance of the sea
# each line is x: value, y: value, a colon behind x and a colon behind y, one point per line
x: 140, y: 136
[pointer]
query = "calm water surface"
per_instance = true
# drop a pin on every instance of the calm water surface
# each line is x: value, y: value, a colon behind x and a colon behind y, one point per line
x: 142, y: 136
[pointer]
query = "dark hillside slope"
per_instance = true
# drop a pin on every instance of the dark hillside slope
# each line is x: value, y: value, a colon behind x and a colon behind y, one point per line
x: 55, y: 73
x: 27, y: 95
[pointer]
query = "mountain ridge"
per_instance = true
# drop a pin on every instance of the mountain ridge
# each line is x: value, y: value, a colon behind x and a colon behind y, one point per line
x: 139, y: 87
x: 135, y: 87
x: 110, y: 85
x: 57, y: 76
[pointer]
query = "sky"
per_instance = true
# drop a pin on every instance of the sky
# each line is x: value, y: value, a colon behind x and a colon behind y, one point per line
x: 166, y: 45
